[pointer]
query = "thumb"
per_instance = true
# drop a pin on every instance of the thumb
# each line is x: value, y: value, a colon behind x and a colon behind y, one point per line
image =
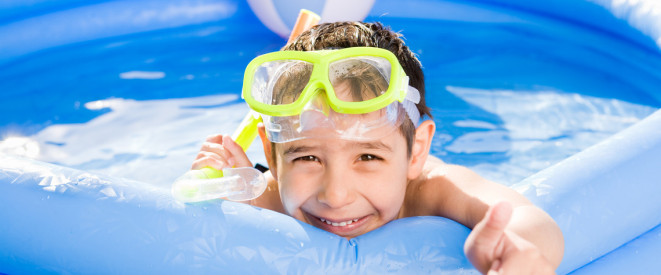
x: 240, y: 159
x: 495, y: 268
x: 492, y: 226
x: 483, y: 242
x: 495, y: 220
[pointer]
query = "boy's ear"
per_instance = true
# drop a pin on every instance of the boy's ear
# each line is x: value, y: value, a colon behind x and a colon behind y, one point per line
x: 421, y: 145
x: 266, y: 143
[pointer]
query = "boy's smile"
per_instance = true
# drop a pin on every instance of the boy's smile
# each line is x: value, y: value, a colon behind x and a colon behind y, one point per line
x: 346, y: 228
x: 345, y: 187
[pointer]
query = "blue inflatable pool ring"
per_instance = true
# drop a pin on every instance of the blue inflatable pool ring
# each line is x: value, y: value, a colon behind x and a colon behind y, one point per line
x: 70, y: 221
x: 62, y: 220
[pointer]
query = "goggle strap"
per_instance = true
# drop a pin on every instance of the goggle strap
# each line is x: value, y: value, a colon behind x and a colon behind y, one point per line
x: 412, y: 98
x: 412, y: 94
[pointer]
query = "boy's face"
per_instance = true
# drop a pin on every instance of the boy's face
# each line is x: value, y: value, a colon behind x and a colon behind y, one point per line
x: 342, y: 186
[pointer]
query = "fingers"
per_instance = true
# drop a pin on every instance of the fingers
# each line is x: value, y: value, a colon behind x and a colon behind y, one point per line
x: 485, y: 243
x: 220, y: 151
x: 495, y: 268
x: 216, y: 148
x: 217, y: 138
x: 522, y: 258
x: 206, y: 159
x: 240, y: 158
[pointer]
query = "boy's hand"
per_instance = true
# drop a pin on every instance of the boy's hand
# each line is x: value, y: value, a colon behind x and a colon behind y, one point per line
x: 494, y: 250
x: 220, y: 151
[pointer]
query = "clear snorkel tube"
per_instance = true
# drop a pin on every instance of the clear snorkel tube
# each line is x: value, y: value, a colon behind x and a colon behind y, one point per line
x: 237, y: 184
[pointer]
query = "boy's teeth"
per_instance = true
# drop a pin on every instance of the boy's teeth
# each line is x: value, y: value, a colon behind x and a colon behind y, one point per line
x: 339, y: 223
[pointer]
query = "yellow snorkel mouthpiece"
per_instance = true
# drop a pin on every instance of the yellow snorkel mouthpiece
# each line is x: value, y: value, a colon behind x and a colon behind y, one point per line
x: 236, y: 184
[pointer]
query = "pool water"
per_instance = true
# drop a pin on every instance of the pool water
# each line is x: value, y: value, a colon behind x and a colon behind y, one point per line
x: 509, y: 98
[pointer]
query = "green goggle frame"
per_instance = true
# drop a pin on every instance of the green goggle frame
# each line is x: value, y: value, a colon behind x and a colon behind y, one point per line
x: 319, y: 80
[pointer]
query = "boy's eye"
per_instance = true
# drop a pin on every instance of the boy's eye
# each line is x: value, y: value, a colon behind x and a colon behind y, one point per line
x: 307, y: 158
x: 368, y: 157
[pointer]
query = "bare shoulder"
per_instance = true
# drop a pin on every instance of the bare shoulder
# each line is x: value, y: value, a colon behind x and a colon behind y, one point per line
x: 427, y: 194
x: 455, y: 192
x: 438, y: 172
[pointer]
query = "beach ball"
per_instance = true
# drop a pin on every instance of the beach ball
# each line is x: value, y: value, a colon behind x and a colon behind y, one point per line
x: 280, y: 16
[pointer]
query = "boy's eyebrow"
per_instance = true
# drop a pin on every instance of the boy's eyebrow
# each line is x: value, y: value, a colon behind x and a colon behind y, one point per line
x: 296, y: 149
x: 375, y: 145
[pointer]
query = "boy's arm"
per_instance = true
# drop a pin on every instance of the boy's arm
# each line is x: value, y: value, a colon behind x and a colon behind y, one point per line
x: 460, y: 194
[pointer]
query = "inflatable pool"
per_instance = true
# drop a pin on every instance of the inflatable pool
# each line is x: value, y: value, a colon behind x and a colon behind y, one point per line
x: 104, y: 103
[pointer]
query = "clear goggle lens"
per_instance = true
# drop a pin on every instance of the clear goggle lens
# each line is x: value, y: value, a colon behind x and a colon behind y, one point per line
x: 352, y: 79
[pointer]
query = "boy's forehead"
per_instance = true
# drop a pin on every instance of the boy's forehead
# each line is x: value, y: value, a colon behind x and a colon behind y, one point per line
x: 387, y: 144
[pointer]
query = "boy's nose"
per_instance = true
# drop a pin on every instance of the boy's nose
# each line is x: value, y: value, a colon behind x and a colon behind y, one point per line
x: 337, y: 191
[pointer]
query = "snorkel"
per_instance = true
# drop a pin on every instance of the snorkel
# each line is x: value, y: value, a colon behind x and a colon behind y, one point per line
x: 236, y: 184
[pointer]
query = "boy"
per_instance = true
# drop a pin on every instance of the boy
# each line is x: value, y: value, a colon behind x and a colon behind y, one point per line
x: 347, y: 154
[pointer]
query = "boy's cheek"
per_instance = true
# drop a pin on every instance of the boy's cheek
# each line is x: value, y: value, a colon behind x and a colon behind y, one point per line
x: 293, y: 194
x: 390, y: 190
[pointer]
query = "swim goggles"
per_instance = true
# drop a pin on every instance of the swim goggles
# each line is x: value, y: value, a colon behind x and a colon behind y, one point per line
x: 359, y: 93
